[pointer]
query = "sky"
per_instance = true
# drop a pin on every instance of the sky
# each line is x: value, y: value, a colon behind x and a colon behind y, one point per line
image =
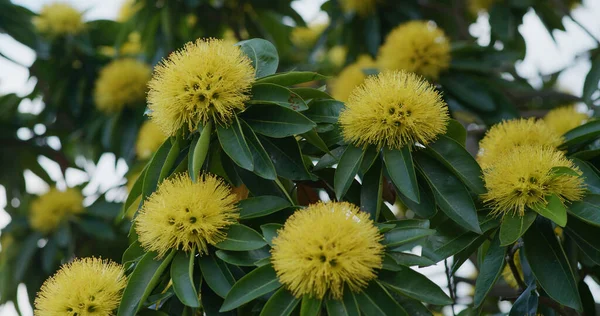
x: 544, y: 56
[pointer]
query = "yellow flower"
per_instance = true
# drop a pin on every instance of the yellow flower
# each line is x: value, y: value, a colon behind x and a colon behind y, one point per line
x: 337, y: 55
x: 326, y: 246
x: 351, y: 77
x: 504, y: 137
x: 564, y: 119
x: 394, y: 109
x: 49, y: 210
x: 416, y: 46
x: 59, y: 19
x: 306, y: 37
x: 182, y: 214
x: 476, y: 6
x: 507, y: 274
x: 149, y: 139
x: 524, y: 177
x: 128, y: 9
x: 361, y: 7
x: 87, y: 286
x: 121, y: 83
x: 132, y: 46
x: 206, y: 79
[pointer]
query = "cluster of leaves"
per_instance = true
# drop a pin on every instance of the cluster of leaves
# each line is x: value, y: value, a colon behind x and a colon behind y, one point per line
x: 286, y: 149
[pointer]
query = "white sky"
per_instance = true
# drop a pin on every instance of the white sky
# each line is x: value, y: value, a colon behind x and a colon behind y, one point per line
x: 543, y: 56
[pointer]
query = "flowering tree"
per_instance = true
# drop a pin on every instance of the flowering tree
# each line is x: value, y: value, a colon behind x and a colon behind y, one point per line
x: 279, y: 170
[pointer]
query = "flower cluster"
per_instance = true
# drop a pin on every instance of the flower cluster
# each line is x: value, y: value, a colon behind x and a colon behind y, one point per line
x: 121, y: 83
x: 48, y: 211
x: 56, y: 19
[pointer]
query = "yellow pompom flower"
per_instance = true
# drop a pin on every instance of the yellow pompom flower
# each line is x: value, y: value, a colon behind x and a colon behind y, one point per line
x: 306, y: 37
x: 59, y: 18
x: 182, y: 214
x: 524, y: 177
x: 361, y: 7
x: 417, y: 46
x: 564, y: 119
x: 504, y: 137
x: 121, y: 83
x: 206, y: 79
x: 87, y: 286
x: 394, y: 109
x: 476, y: 6
x: 351, y: 77
x: 149, y: 139
x: 326, y: 246
x: 48, y: 211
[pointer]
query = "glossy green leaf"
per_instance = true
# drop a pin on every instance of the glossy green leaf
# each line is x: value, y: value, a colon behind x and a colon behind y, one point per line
x: 152, y: 174
x: 261, y: 205
x: 376, y: 301
x: 371, y: 191
x: 582, y: 134
x: 347, y: 306
x: 270, y: 231
x: 263, y: 166
x: 201, y: 150
x: 282, y: 303
x: 170, y: 160
x: 216, y: 275
x: 590, y: 175
x: 234, y: 145
x: 401, y: 170
x: 291, y: 78
x: 313, y: 138
x: 324, y: 111
x: 263, y: 55
x: 408, y: 282
x: 97, y: 228
x: 590, y: 86
x: 409, y: 259
x: 513, y: 227
x: 142, y: 281
x: 450, y: 194
x: 241, y: 238
x: 346, y: 170
x: 588, y: 209
x: 489, y: 271
x: 448, y: 240
x: 310, y: 306
x: 426, y: 208
x: 400, y: 236
x: 135, y: 192
x: 470, y: 90
x: 311, y: 93
x: 182, y: 275
x: 269, y: 93
x: 287, y: 157
x: 585, y: 237
x: 526, y: 304
x: 257, y: 283
x: 458, y: 160
x: 243, y: 258
x: 456, y: 131
x: 276, y: 121
x: 561, y: 170
x: 554, y: 210
x: 550, y: 265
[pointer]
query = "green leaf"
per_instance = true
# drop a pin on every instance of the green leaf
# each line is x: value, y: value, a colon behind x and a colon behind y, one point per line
x: 447, y: 241
x: 282, y: 303
x: 526, y: 304
x: 27, y: 250
x: 135, y: 192
x: 182, y: 275
x: 151, y: 176
x: 513, y: 227
x: 310, y: 306
x: 456, y: 131
x: 346, y: 170
x: 582, y: 134
x: 243, y: 258
x: 470, y: 90
x: 292, y: 78
x: 347, y: 306
x: 287, y: 157
x: 371, y: 190
x: 550, y: 265
x: 269, y: 93
x: 311, y: 93
x: 211, y: 302
x: 458, y: 160
x: 587, y: 210
x: 590, y: 86
x: 97, y: 228
x: 324, y: 111
x: 262, y: 54
x: 400, y: 236
x: 263, y: 166
x: 489, y: 271
x: 142, y: 281
x: 426, y: 208
x: 411, y: 283
x: 450, y: 194
x: 590, y: 174
x: 170, y: 160
x: 376, y: 301
x: 201, y: 150
x: 554, y: 210
x: 409, y: 259
x: 217, y: 276
x: 586, y: 238
x: 241, y: 238
x: 561, y: 170
x: 261, y: 206
x: 234, y: 145
x: 133, y: 252
x: 276, y: 121
x: 313, y: 138
x: 401, y: 170
x: 257, y: 283
x: 270, y: 231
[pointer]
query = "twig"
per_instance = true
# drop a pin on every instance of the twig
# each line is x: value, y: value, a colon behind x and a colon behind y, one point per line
x: 513, y: 268
x: 450, y: 287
